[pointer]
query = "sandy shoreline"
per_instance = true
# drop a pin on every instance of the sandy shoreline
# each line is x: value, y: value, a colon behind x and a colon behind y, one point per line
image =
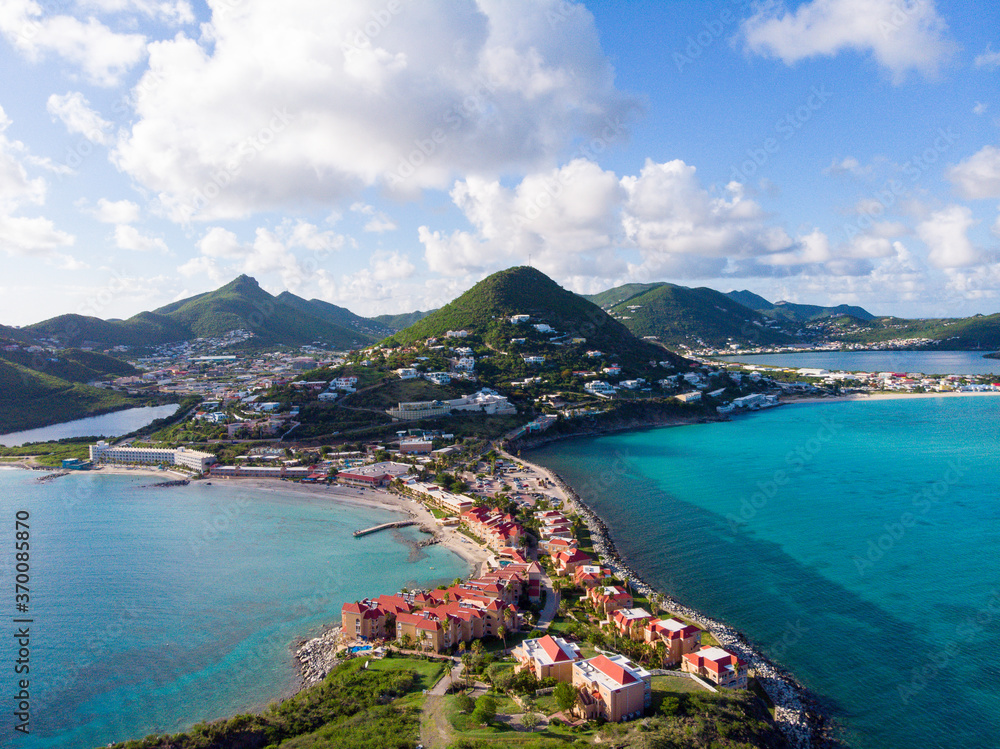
x: 880, y: 396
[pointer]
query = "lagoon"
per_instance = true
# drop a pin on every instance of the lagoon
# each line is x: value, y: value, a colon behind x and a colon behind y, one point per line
x: 154, y: 609
x: 107, y: 425
x: 927, y: 362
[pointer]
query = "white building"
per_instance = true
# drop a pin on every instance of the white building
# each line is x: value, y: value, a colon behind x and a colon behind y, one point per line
x: 544, y: 328
x: 600, y: 388
x: 407, y: 373
x: 102, y: 452
x: 533, y: 359
x: 518, y: 319
x: 457, y: 334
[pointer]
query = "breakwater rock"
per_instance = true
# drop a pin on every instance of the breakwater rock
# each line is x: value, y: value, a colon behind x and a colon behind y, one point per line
x: 797, y: 714
x: 318, y: 656
x: 178, y: 482
x: 51, y: 476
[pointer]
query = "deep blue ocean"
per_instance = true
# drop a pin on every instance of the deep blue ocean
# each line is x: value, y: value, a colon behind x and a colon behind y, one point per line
x: 857, y: 543
x: 154, y: 609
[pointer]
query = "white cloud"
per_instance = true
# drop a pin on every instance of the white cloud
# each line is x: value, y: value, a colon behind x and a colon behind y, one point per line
x: 900, y: 36
x: 580, y: 223
x: 16, y: 187
x: 565, y: 220
x: 988, y: 59
x: 946, y: 235
x: 129, y: 238
x: 103, y: 55
x: 980, y: 108
x: 177, y: 12
x: 116, y: 212
x: 20, y: 235
x: 340, y: 102
x: 219, y: 242
x: 848, y: 165
x: 978, y: 176
x: 271, y: 254
x: 31, y: 236
x: 75, y: 112
x: 378, y: 222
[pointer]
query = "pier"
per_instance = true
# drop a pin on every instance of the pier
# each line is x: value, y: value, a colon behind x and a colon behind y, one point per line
x: 384, y: 526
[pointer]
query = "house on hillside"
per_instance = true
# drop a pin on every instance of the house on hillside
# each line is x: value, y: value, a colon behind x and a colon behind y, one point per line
x: 717, y: 666
x: 547, y: 657
x: 611, y: 687
x: 678, y: 638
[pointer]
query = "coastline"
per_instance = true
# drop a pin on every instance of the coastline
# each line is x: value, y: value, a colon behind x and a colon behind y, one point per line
x: 448, y: 538
x: 882, y: 396
x: 798, y: 713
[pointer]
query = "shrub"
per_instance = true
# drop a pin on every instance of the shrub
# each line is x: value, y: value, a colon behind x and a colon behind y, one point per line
x: 486, y: 710
x: 465, y: 703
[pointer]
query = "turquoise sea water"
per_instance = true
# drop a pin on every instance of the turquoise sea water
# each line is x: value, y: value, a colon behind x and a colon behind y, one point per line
x: 157, y: 608
x: 857, y: 543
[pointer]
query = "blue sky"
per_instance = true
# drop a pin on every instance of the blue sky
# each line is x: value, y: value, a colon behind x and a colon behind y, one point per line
x: 386, y: 155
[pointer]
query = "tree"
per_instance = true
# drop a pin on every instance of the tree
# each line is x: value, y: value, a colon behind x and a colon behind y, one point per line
x: 485, y: 711
x: 465, y: 703
x: 406, y: 642
x: 565, y: 695
x: 530, y: 720
x: 477, y: 647
x: 502, y: 634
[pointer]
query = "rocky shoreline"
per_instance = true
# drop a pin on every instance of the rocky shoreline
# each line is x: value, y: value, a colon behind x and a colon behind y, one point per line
x: 797, y: 713
x: 597, y: 429
x: 318, y: 657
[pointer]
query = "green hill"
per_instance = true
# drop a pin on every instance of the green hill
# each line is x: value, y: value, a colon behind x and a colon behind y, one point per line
x: 797, y: 312
x: 30, y: 398
x: 678, y: 315
x: 980, y: 332
x: 485, y: 311
x: 72, y: 365
x: 239, y: 305
x: 404, y: 320
x: 617, y: 295
x: 749, y: 299
x: 335, y: 315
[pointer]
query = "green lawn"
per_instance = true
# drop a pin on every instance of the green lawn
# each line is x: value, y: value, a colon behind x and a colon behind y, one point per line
x: 671, y: 686
x: 428, y: 672
x: 498, y: 733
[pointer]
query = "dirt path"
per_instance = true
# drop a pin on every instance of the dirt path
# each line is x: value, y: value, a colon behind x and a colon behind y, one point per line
x: 435, y: 731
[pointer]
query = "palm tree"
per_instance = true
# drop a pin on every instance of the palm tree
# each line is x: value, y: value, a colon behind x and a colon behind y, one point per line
x: 477, y: 647
x: 502, y: 634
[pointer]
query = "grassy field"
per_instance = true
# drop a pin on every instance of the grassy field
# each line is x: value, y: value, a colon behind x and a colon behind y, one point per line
x: 501, y: 734
x: 428, y: 672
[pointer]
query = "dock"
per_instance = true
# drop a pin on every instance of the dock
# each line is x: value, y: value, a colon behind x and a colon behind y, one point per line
x: 384, y: 526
